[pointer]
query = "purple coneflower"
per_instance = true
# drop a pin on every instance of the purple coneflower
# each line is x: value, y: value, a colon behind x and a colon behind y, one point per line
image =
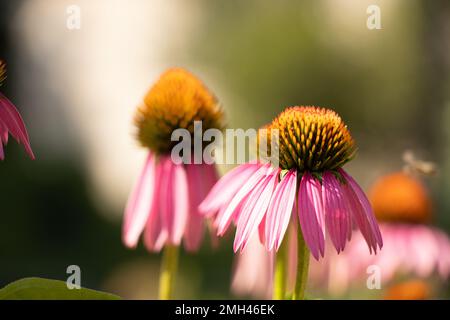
x: 10, y: 121
x: 314, y: 144
x: 164, y: 203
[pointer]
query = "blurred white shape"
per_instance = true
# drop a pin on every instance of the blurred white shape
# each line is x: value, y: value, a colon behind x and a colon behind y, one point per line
x: 99, y: 74
x: 73, y: 21
x: 345, y: 21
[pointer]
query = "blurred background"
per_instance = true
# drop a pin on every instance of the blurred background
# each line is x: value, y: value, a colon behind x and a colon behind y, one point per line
x: 77, y: 91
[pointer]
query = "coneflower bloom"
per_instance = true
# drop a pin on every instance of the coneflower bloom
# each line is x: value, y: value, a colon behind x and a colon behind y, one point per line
x: 413, y: 247
x: 314, y: 144
x: 10, y: 121
x: 164, y: 203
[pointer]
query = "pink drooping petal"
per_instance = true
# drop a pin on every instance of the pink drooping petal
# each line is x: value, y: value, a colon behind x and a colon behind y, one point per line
x: 391, y: 259
x: 367, y: 221
x: 232, y: 219
x: 225, y: 189
x: 312, y: 216
x: 175, y: 208
x: 155, y: 236
x: 2, y: 154
x: 252, y: 271
x: 360, y: 217
x: 337, y: 218
x: 3, y: 132
x: 232, y: 208
x: 3, y: 138
x: 213, y: 177
x: 426, y: 252
x: 262, y: 230
x: 443, y: 245
x: 201, y: 178
x: 13, y: 122
x: 409, y: 250
x: 139, y: 204
x: 279, y: 211
x: 254, y: 209
x: 195, y: 223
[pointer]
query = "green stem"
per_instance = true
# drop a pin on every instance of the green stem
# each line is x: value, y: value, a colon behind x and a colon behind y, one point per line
x: 302, y: 267
x: 279, y: 285
x: 169, y: 268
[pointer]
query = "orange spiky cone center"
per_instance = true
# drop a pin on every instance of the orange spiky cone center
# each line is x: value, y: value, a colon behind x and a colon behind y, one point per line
x: 175, y: 101
x: 312, y: 138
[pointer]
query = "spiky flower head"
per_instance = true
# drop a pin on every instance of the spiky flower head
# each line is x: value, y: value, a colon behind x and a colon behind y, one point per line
x: 312, y: 139
x: 175, y: 101
x: 2, y: 72
x: 399, y: 197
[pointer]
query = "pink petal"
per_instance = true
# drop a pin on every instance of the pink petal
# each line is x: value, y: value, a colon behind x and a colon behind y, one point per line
x: 311, y: 214
x: 336, y: 215
x: 139, y: 204
x: 280, y: 209
x: 254, y: 209
x: 426, y: 251
x: 200, y: 179
x: 244, y: 191
x: 252, y: 272
x: 262, y: 230
x: 2, y: 154
x: 366, y: 218
x: 360, y: 216
x: 175, y: 208
x: 14, y: 123
x: 411, y: 250
x: 3, y: 132
x: 225, y: 189
x: 3, y: 138
x: 443, y: 243
x: 155, y: 235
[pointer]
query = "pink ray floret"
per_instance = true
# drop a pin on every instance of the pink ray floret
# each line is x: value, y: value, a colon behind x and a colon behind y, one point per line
x: 257, y: 197
x: 164, y: 204
x: 12, y: 123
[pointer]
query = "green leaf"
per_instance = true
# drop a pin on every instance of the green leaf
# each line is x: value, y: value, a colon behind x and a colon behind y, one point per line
x: 47, y: 289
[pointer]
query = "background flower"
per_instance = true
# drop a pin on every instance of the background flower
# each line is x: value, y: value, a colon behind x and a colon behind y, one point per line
x: 412, y: 247
x: 166, y: 196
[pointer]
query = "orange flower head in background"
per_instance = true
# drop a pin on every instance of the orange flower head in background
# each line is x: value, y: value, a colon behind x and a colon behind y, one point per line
x: 399, y: 197
x: 175, y: 101
x: 409, y: 290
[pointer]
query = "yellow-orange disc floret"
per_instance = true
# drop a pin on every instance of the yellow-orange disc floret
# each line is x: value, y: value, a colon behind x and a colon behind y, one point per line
x: 2, y: 72
x: 313, y: 139
x: 175, y: 101
x: 399, y: 197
